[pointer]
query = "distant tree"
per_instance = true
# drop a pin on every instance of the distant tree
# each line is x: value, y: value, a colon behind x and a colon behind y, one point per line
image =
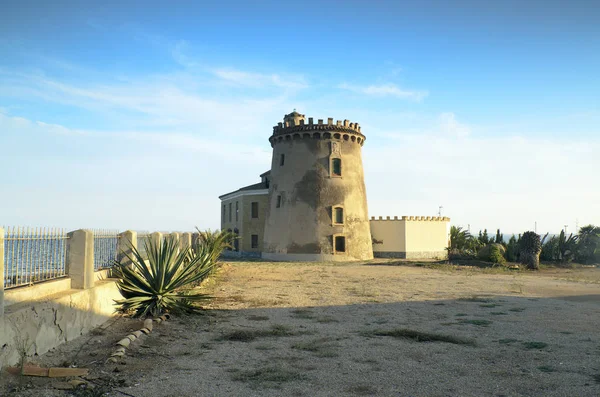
x: 484, y: 238
x: 499, y: 238
x: 462, y: 243
x: 530, y: 248
x: 549, y: 248
x: 588, y: 246
x: 566, y: 247
x: 512, y: 249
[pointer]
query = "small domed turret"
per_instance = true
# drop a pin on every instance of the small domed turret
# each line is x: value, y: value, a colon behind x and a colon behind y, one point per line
x: 293, y: 118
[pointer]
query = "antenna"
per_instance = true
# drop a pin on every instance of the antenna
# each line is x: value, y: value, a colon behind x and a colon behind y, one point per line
x: 535, y: 227
x: 440, y: 210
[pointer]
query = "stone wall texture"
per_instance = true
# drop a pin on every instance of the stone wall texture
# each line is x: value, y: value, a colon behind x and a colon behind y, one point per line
x: 301, y: 227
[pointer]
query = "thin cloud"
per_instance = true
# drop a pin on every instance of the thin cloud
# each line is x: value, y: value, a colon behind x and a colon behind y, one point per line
x: 385, y: 90
x: 450, y: 125
x: 258, y: 80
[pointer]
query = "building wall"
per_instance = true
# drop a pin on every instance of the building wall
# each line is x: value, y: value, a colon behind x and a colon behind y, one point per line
x: 302, y: 226
x: 410, y: 237
x: 253, y: 225
x: 244, y: 223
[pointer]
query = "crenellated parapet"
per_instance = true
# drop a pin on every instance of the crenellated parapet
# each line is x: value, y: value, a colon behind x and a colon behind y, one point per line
x: 413, y: 218
x: 298, y: 128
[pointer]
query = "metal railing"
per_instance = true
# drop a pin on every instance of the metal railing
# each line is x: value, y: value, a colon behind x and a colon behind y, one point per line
x: 105, y: 248
x: 142, y: 236
x: 33, y: 254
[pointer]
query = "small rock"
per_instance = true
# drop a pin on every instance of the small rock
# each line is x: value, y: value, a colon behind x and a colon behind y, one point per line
x: 62, y: 385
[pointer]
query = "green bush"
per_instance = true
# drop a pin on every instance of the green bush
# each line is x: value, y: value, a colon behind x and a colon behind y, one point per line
x: 492, y: 253
x: 496, y: 254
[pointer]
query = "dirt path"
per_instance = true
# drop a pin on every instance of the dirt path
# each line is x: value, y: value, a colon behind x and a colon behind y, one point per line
x: 351, y: 330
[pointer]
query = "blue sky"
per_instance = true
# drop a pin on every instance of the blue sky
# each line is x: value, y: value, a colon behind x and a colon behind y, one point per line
x: 139, y: 114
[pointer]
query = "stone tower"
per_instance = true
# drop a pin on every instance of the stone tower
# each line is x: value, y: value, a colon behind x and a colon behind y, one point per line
x: 317, y: 206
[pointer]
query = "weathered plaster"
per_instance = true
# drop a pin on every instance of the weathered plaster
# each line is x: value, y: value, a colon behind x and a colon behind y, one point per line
x: 45, y: 322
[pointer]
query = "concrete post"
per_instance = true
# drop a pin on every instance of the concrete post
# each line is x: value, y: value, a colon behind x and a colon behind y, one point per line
x: 185, y: 241
x: 195, y: 238
x: 127, y: 240
x: 80, y: 259
x: 1, y: 272
x: 175, y: 237
x: 156, y: 238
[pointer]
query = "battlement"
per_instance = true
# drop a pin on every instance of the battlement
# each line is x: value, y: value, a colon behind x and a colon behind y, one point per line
x: 292, y: 129
x: 414, y: 218
x: 291, y: 126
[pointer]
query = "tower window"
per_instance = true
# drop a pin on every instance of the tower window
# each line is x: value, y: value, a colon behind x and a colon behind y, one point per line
x: 339, y: 244
x: 338, y: 215
x: 255, y: 209
x: 278, y: 201
x: 254, y: 242
x: 229, y: 212
x: 237, y: 210
x: 282, y: 160
x: 336, y: 167
x: 224, y: 211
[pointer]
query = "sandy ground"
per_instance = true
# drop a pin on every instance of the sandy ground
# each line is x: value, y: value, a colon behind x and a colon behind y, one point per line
x: 280, y: 329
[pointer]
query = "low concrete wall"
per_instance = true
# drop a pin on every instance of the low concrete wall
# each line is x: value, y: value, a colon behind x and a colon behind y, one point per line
x: 44, y: 322
x: 410, y: 237
x: 411, y: 255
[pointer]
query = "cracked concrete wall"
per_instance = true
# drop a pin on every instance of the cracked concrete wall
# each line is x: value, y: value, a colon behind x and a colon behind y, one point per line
x: 46, y: 322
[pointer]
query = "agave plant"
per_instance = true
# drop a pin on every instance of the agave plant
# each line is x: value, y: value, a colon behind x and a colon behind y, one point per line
x: 216, y: 242
x: 156, y: 285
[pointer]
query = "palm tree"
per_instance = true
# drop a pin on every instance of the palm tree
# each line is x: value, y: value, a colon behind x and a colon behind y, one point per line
x: 566, y: 247
x: 530, y: 249
x: 588, y: 247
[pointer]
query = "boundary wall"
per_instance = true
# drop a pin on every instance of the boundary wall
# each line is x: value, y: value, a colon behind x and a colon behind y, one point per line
x: 41, y: 316
x: 410, y: 237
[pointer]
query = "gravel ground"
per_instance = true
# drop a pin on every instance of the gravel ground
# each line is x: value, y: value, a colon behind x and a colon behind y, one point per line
x: 374, y: 329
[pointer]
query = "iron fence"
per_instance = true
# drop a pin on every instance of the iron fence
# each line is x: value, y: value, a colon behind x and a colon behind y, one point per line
x: 142, y: 237
x: 105, y: 248
x: 33, y: 254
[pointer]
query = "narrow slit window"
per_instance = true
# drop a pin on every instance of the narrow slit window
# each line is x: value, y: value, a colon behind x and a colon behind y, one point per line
x: 224, y: 211
x: 229, y: 212
x: 336, y: 167
x: 338, y: 215
x: 254, y: 241
x: 255, y: 209
x: 282, y: 160
x: 237, y: 210
x: 278, y: 201
x: 340, y: 243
